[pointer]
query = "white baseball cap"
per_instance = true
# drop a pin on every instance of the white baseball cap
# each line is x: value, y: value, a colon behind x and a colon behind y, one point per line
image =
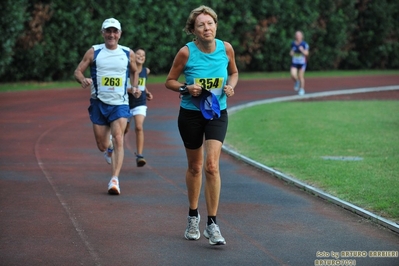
x: 111, y: 22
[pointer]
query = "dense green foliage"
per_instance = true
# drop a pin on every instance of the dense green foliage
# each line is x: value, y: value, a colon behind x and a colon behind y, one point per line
x: 45, y: 40
x: 12, y: 13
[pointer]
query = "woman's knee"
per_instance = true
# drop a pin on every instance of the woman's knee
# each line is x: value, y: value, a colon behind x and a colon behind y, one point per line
x: 195, y: 168
x: 212, y: 168
x: 138, y: 128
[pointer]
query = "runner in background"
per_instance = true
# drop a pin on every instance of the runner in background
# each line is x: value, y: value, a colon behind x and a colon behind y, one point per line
x: 138, y: 107
x: 299, y: 52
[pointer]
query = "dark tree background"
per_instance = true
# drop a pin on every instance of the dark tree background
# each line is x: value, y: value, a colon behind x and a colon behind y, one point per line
x: 45, y: 40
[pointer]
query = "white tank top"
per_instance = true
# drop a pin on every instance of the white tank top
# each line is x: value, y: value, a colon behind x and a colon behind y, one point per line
x: 110, y: 74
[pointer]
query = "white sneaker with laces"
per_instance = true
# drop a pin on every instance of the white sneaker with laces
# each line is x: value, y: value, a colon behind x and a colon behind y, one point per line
x: 113, y: 186
x: 301, y: 92
x: 212, y: 232
x: 192, y: 230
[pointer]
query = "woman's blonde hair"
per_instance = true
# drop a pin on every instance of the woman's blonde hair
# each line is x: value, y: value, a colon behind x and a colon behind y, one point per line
x: 189, y: 28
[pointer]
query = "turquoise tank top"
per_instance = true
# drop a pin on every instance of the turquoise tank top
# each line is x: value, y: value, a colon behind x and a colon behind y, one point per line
x: 208, y: 70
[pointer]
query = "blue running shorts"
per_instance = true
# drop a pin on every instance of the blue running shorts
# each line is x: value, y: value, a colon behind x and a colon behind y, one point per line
x: 299, y: 66
x: 104, y: 114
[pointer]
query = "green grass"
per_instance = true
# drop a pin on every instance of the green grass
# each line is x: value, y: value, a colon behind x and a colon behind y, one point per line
x: 293, y: 136
x: 156, y: 79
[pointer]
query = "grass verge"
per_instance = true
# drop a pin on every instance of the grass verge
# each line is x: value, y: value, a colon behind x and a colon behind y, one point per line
x: 157, y: 79
x: 292, y: 137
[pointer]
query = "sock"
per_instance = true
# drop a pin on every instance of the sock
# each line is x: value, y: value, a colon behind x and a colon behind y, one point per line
x: 211, y: 220
x: 111, y: 145
x: 193, y: 212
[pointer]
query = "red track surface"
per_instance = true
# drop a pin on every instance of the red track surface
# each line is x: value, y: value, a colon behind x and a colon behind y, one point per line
x: 54, y: 207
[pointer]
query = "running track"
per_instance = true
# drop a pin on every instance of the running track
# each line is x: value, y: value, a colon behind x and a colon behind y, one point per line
x: 54, y: 209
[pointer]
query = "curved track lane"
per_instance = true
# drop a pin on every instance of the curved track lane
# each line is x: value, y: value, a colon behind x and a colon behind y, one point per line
x: 55, y: 209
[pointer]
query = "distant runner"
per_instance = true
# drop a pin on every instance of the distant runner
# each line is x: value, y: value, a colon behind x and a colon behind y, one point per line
x: 299, y: 52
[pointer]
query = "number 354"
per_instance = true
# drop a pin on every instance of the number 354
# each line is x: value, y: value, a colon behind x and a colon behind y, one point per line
x: 210, y: 83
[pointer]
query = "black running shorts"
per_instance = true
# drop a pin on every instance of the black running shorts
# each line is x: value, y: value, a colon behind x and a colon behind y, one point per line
x: 193, y: 127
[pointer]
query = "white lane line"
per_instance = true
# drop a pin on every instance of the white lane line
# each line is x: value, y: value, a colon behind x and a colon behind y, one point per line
x: 78, y: 227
